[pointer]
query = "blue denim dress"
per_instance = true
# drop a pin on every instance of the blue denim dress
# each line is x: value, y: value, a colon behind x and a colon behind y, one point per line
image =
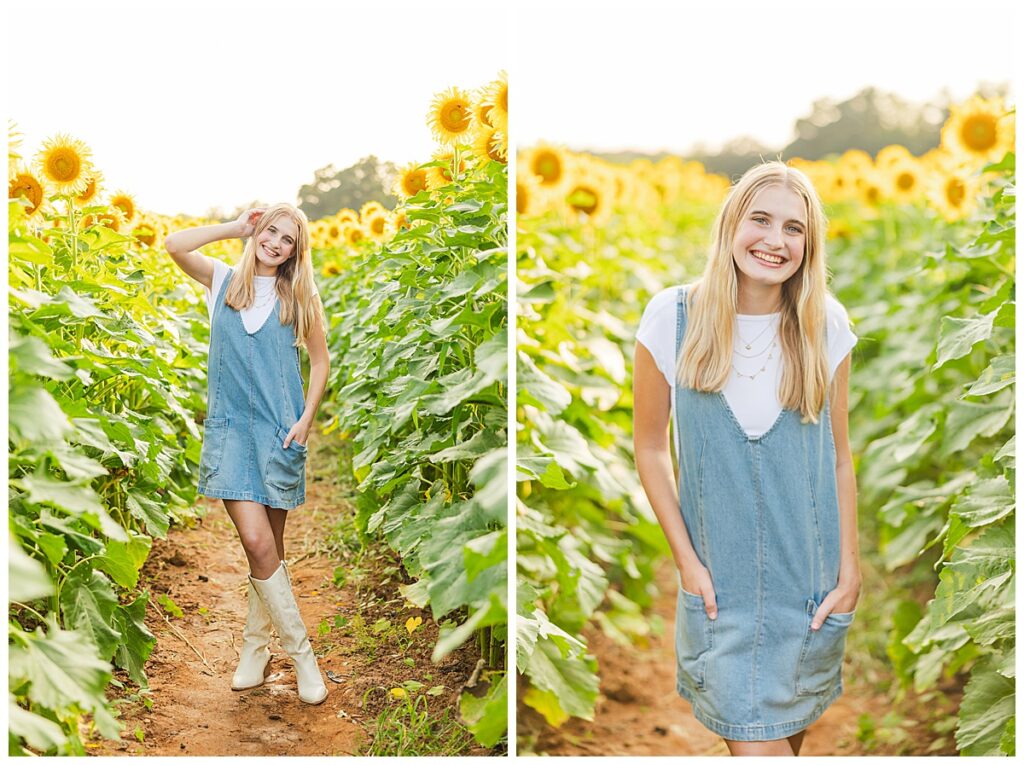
x: 763, y: 516
x: 254, y: 398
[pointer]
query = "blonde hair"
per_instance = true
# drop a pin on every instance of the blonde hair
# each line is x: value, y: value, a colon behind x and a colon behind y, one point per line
x: 296, y: 290
x: 706, y: 358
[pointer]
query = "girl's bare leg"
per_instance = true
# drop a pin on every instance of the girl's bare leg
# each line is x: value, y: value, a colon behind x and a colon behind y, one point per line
x: 256, y: 534
x: 796, y: 740
x: 277, y: 518
x: 779, y: 748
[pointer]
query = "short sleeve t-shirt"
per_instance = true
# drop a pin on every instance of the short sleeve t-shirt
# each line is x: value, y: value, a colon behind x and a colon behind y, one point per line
x: 754, y: 402
x: 262, y: 304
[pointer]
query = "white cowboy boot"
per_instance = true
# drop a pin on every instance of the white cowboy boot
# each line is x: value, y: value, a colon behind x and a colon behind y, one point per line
x: 255, y: 654
x: 276, y: 594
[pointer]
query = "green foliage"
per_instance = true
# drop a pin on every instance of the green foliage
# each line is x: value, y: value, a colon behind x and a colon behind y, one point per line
x: 104, y: 377
x: 932, y: 417
x: 418, y: 342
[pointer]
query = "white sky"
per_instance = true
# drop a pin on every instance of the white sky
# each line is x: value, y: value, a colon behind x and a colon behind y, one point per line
x: 194, y: 105
x: 655, y: 76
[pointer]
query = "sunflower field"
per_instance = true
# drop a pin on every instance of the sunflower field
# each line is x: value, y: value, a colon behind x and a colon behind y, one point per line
x: 922, y: 252
x: 107, y: 353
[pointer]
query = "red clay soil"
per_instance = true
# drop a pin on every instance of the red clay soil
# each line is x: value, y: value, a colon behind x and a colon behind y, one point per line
x: 640, y: 713
x: 195, y: 712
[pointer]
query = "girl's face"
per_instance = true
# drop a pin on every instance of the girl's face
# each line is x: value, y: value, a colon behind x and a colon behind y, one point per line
x: 276, y: 243
x: 769, y: 244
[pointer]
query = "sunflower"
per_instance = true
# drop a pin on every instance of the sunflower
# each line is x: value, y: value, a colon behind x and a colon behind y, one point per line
x: 397, y: 221
x: 65, y: 162
x: 410, y: 181
x: 892, y: 154
x: 124, y: 202
x: 954, y: 194
x: 346, y: 214
x: 92, y: 188
x: 331, y: 268
x: 370, y: 208
x: 490, y: 145
x: 526, y: 196
x: 353, y: 233
x: 26, y: 185
x: 146, y: 231
x: 906, y: 179
x: 548, y: 164
x: 377, y: 225
x: 438, y: 177
x: 111, y: 218
x: 980, y: 129
x: 496, y: 97
x: 450, y: 116
x: 589, y: 192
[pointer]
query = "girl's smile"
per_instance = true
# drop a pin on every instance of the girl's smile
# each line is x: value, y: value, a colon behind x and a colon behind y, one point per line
x: 275, y: 245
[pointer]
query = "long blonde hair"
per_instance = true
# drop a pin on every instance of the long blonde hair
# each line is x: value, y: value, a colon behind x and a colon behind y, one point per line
x: 296, y: 290
x: 706, y: 358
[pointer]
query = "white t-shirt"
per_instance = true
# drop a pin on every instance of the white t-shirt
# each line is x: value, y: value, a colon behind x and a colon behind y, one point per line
x: 754, y: 403
x: 262, y: 304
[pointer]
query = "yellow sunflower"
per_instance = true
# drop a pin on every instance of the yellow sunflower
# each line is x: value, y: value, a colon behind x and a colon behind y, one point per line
x: 65, y: 162
x: 490, y: 145
x: 353, y: 233
x: 111, y: 218
x: 410, y: 181
x: 450, y: 116
x: 954, y: 194
x: 437, y: 177
x: 331, y: 268
x: 527, y: 201
x: 377, y: 225
x: 397, y: 221
x: 589, y: 192
x: 548, y: 164
x: 892, y: 154
x: 983, y: 130
x: 496, y: 97
x: 25, y: 184
x: 906, y: 179
x: 346, y: 214
x: 92, y: 188
x: 369, y: 208
x: 146, y: 231
x: 124, y: 202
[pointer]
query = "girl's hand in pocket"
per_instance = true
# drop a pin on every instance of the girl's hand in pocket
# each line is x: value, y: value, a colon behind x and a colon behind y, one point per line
x: 697, y: 581
x: 299, y: 433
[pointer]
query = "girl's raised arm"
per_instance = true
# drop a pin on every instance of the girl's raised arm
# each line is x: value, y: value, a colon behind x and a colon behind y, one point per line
x: 182, y: 245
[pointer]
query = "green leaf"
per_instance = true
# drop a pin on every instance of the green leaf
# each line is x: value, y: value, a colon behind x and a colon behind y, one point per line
x: 39, y: 733
x: 535, y: 387
x: 987, y: 705
x: 63, y: 671
x: 966, y: 421
x: 137, y: 642
x: 31, y: 355
x: 958, y: 336
x: 495, y: 612
x: 485, y: 551
x: 26, y: 577
x: 487, y: 716
x: 34, y: 417
x: 123, y: 560
x: 986, y: 502
x: 992, y: 626
x: 571, y: 680
x: 997, y: 375
x: 87, y: 603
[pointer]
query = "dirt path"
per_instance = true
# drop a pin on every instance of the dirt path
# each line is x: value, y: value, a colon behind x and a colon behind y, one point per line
x: 640, y: 713
x: 203, y: 570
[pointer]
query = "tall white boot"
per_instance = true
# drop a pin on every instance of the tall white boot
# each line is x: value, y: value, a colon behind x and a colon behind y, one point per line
x: 255, y: 653
x: 276, y: 594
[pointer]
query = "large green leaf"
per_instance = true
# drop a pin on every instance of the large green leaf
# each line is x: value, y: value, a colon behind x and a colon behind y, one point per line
x: 137, y: 642
x: 87, y: 603
x: 987, y: 705
x: 34, y: 417
x: 123, y: 560
x: 26, y: 577
x: 958, y: 336
x: 487, y: 716
x: 569, y: 679
x: 41, y: 734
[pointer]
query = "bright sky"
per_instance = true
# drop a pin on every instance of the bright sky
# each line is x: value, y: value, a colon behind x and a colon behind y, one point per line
x: 194, y: 105
x: 646, y: 76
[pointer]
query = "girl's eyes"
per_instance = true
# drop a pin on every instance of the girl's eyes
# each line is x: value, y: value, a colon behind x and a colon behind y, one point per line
x: 762, y: 219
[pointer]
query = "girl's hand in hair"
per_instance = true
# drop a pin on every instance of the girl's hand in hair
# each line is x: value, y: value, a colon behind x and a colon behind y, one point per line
x: 246, y: 222
x: 299, y: 433
x: 697, y: 581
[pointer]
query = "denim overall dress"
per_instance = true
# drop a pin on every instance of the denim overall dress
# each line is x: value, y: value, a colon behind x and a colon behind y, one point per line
x: 763, y: 517
x: 254, y: 398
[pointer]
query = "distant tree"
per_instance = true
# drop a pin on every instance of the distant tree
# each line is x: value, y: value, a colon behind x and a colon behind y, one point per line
x: 331, y: 190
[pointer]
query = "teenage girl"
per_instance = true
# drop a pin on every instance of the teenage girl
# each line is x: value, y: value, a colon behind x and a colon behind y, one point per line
x: 258, y: 420
x: 751, y: 365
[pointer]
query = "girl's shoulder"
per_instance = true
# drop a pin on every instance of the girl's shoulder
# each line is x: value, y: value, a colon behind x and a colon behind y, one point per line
x: 835, y: 312
x: 665, y: 299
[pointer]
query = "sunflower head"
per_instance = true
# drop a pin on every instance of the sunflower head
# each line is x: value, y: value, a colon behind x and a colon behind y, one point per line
x: 440, y: 176
x: 146, y: 231
x: 411, y: 180
x: 346, y: 214
x: 548, y: 163
x: 489, y: 145
x: 377, y: 225
x: 450, y: 116
x: 65, y: 162
x: 124, y: 202
x: 353, y: 233
x: 495, y: 99
x: 370, y: 208
x: 980, y: 129
x: 92, y: 188
x: 26, y: 185
x: 111, y: 218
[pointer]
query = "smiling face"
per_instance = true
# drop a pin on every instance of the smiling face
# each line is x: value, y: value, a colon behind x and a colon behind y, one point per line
x: 275, y: 244
x: 770, y: 239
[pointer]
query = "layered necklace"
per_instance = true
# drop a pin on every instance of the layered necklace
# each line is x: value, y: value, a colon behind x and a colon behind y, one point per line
x: 769, y: 349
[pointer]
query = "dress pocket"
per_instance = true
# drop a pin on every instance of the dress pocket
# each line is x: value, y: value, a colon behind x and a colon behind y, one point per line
x: 286, y: 468
x: 215, y: 431
x: 821, y: 656
x: 694, y: 638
